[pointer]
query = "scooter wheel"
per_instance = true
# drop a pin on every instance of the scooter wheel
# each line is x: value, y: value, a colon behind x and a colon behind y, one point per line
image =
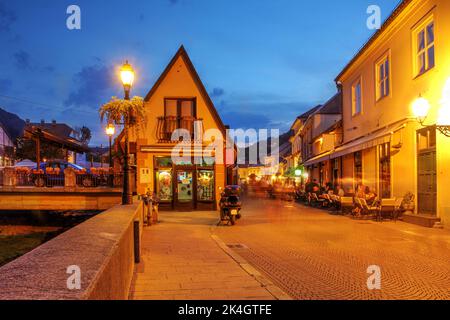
x: 233, y: 220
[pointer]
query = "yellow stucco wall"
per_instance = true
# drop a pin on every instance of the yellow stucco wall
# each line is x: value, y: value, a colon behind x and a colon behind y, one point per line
x: 178, y: 83
x: 397, y: 42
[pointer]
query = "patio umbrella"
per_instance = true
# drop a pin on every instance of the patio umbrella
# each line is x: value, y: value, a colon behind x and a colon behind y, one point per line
x: 26, y: 163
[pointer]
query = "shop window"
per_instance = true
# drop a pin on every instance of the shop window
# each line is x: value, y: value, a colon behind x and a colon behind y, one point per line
x: 385, y: 170
x: 205, y: 185
x: 358, y: 168
x: 163, y: 162
x: 208, y: 161
x: 164, y: 185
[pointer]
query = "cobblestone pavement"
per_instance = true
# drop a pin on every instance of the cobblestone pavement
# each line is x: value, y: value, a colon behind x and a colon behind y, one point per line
x: 311, y: 254
x: 182, y: 261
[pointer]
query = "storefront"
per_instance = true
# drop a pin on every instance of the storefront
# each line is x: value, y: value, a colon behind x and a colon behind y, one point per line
x: 185, y: 186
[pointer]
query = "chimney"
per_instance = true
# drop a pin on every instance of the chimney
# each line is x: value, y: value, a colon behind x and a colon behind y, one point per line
x: 42, y: 121
x: 54, y: 122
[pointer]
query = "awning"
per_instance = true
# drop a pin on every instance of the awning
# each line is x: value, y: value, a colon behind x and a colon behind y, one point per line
x: 320, y: 158
x: 372, y: 140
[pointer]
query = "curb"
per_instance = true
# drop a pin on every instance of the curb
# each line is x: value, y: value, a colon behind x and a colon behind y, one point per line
x: 274, y: 290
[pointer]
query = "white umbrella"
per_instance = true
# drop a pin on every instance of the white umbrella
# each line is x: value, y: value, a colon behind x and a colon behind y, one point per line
x: 26, y: 163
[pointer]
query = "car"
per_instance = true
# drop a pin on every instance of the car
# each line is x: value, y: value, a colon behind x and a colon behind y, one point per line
x: 52, y: 173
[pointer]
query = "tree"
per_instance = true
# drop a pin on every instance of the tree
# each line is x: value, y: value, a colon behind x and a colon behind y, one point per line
x: 85, y: 135
x: 26, y: 149
x: 121, y: 111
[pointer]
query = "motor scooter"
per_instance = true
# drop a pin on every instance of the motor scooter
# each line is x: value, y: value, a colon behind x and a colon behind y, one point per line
x: 230, y: 205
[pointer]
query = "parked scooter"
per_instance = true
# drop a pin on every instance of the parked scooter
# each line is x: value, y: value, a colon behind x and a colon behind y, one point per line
x: 230, y: 205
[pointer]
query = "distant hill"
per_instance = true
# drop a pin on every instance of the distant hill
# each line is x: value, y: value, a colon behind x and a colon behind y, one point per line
x: 12, y: 123
x: 284, y: 146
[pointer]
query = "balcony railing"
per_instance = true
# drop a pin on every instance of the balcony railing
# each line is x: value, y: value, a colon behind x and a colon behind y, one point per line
x: 167, y: 126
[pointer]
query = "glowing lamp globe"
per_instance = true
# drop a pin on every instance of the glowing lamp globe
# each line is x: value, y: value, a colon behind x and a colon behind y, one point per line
x: 421, y: 108
x: 298, y: 173
x: 127, y: 75
x: 110, y: 130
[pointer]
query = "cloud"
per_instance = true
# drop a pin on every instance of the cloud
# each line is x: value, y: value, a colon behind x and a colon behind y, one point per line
x: 22, y: 60
x: 5, y: 85
x: 216, y: 93
x: 93, y: 83
x: 7, y: 17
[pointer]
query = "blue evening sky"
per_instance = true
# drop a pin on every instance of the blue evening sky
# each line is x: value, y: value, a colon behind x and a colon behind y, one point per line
x: 263, y: 61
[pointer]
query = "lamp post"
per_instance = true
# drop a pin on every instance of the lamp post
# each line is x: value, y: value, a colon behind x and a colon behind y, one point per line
x: 127, y: 77
x: 110, y: 131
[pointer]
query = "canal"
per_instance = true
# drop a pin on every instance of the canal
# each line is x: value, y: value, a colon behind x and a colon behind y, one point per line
x: 22, y: 231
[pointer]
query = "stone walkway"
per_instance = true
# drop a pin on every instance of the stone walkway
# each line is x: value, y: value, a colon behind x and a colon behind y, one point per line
x: 311, y: 254
x: 181, y: 260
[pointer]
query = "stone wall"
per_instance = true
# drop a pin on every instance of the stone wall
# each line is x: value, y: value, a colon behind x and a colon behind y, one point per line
x: 103, y: 249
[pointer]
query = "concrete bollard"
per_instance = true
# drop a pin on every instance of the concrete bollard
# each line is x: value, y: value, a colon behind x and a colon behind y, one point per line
x: 9, y: 177
x: 70, y: 177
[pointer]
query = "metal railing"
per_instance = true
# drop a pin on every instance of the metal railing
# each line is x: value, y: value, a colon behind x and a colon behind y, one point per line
x: 38, y: 178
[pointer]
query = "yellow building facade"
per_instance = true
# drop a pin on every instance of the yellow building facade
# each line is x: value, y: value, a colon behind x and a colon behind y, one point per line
x: 384, y: 145
x: 179, y: 100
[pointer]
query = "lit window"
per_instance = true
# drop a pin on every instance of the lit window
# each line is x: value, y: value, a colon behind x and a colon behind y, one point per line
x: 383, y: 78
x: 424, y: 37
x: 356, y: 98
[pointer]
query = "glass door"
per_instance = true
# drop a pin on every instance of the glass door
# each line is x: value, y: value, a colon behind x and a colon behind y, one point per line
x: 185, y: 189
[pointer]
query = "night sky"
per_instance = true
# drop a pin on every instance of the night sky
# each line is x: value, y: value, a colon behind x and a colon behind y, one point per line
x: 263, y: 62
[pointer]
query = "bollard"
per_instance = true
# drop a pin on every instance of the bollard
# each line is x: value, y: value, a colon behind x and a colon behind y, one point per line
x: 137, y: 244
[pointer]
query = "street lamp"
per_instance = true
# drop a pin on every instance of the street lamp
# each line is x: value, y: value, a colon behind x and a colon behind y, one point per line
x: 421, y: 108
x: 110, y: 131
x: 127, y: 77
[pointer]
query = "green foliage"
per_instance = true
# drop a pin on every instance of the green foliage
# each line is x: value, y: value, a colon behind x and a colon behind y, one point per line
x: 121, y: 111
x: 12, y: 247
x: 26, y: 149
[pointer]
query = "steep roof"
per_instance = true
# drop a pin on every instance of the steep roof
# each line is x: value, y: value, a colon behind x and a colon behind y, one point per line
x: 332, y: 106
x: 183, y: 53
x: 399, y: 9
x: 12, y: 124
x: 306, y: 115
x: 58, y: 129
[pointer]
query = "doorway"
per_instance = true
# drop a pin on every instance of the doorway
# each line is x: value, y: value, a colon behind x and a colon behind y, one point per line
x: 426, y: 171
x: 184, y: 190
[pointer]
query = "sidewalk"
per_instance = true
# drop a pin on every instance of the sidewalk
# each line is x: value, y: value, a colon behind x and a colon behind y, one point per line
x: 181, y: 260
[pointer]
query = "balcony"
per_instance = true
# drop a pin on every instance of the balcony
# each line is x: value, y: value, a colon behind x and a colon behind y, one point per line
x: 167, y: 125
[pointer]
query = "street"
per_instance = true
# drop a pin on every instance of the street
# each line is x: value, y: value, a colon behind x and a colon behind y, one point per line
x: 304, y: 252
x: 314, y: 255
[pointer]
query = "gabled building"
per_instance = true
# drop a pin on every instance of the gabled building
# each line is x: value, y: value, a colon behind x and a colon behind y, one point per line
x: 321, y: 134
x: 295, y: 159
x: 396, y: 108
x: 179, y: 100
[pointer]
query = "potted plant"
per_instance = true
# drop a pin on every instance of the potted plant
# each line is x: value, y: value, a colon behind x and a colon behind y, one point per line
x: 408, y: 204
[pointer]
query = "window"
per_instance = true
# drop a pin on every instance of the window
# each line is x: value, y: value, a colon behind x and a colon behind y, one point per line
x: 383, y: 78
x: 424, y: 47
x: 358, y: 169
x: 385, y: 170
x: 164, y: 185
x: 356, y: 98
x: 180, y: 108
x: 205, y: 185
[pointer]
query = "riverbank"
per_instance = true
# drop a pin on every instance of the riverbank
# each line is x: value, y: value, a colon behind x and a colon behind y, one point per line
x: 21, y: 232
